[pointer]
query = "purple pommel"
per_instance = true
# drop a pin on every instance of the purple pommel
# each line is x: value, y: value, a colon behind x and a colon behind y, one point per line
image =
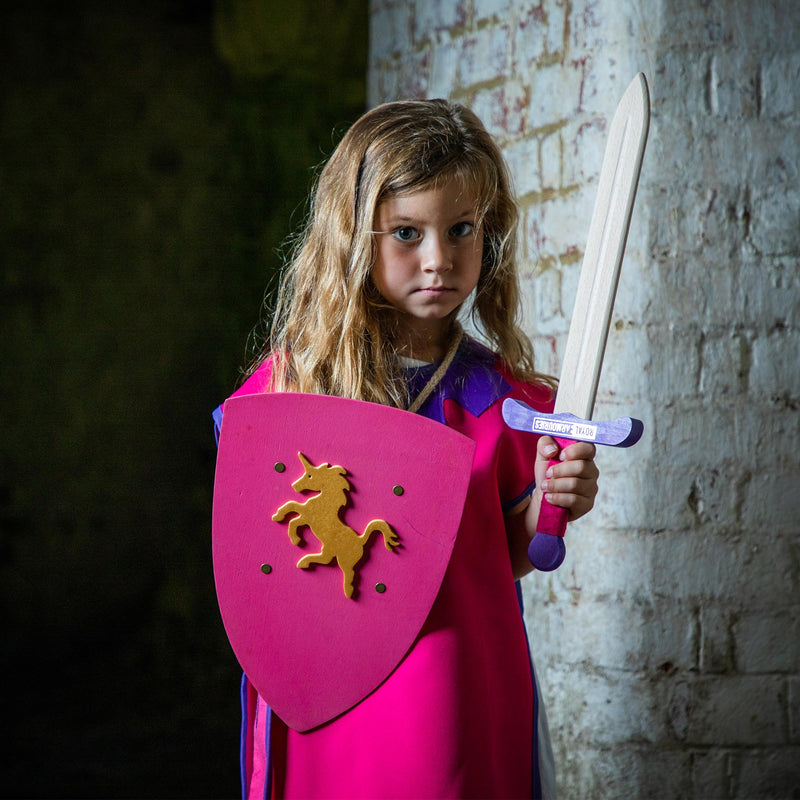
x: 546, y: 551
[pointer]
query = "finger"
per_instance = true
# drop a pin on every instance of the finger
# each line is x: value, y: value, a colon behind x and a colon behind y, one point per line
x: 573, y: 469
x: 569, y: 500
x: 579, y: 487
x: 578, y: 451
x: 575, y: 505
x: 546, y: 448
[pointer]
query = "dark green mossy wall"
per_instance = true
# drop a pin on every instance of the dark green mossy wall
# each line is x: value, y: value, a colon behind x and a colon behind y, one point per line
x: 153, y: 157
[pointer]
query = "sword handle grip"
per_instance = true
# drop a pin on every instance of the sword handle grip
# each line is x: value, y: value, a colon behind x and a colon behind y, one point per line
x: 546, y: 550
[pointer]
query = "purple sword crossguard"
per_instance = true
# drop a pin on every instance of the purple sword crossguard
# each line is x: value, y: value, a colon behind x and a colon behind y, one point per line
x: 622, y: 432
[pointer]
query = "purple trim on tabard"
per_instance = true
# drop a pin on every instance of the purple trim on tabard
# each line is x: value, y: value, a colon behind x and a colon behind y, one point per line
x: 268, y: 753
x: 472, y: 381
x: 517, y: 500
x: 243, y: 739
x: 246, y: 690
x: 216, y: 415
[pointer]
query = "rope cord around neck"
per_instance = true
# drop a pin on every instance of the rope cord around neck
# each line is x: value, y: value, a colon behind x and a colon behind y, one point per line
x: 441, y: 370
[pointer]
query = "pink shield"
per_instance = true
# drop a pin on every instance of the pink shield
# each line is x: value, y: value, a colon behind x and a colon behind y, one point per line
x: 333, y: 525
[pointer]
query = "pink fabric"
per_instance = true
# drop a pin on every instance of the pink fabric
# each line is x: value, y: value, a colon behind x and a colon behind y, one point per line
x: 257, y: 382
x: 258, y: 765
x: 454, y: 720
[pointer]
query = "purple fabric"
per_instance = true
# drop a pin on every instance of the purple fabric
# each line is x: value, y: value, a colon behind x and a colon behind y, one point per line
x: 243, y: 738
x: 471, y: 381
x: 217, y: 417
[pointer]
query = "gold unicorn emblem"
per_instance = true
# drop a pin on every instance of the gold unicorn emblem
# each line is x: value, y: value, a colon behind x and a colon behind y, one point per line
x: 321, y: 513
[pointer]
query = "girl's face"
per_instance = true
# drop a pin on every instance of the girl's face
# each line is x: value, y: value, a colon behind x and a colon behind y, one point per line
x: 429, y: 249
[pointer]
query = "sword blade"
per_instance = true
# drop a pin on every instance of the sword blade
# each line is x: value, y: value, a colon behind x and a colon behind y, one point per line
x: 605, y: 247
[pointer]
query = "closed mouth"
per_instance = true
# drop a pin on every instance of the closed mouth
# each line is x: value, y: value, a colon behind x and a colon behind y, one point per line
x: 435, y: 289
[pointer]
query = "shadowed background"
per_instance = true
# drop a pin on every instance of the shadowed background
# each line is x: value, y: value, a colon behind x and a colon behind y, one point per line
x: 152, y: 160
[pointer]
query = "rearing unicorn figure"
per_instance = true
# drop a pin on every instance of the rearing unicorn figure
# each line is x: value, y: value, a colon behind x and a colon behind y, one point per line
x: 321, y: 513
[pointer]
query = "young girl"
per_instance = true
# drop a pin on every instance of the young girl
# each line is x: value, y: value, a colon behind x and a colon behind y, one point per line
x: 412, y: 219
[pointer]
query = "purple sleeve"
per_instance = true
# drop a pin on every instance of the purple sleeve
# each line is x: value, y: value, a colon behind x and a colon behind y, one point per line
x: 217, y: 417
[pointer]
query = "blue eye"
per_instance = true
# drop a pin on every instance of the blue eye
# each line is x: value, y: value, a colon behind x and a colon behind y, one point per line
x: 462, y: 229
x: 406, y: 234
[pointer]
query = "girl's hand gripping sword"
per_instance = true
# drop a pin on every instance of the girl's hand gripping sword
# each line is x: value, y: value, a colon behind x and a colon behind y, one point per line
x: 583, y: 357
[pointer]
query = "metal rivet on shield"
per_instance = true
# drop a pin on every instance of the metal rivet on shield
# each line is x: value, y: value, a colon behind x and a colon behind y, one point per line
x: 398, y: 490
x: 380, y: 588
x: 280, y: 466
x: 266, y: 568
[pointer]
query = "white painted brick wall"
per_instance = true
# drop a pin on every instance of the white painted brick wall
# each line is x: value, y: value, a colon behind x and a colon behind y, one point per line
x: 669, y: 641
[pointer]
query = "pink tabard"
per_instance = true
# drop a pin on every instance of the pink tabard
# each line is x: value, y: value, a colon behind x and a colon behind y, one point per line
x: 456, y: 719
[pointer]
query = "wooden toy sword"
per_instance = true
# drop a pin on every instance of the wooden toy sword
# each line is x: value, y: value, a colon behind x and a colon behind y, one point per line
x: 583, y: 357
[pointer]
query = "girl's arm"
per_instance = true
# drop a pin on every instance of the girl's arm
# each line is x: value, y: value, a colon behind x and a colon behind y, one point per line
x: 572, y: 484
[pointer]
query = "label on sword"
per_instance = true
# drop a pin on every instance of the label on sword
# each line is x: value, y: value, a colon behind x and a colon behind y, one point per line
x: 566, y: 430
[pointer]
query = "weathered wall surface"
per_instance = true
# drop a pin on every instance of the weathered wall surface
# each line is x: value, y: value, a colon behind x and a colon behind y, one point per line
x: 669, y: 640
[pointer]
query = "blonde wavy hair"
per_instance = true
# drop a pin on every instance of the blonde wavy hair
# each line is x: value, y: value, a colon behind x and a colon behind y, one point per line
x: 332, y: 333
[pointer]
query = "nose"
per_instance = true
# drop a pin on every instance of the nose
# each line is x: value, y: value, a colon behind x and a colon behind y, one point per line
x: 437, y: 256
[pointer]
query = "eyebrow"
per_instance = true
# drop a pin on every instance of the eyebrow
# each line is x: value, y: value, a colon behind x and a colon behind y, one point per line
x: 404, y: 218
